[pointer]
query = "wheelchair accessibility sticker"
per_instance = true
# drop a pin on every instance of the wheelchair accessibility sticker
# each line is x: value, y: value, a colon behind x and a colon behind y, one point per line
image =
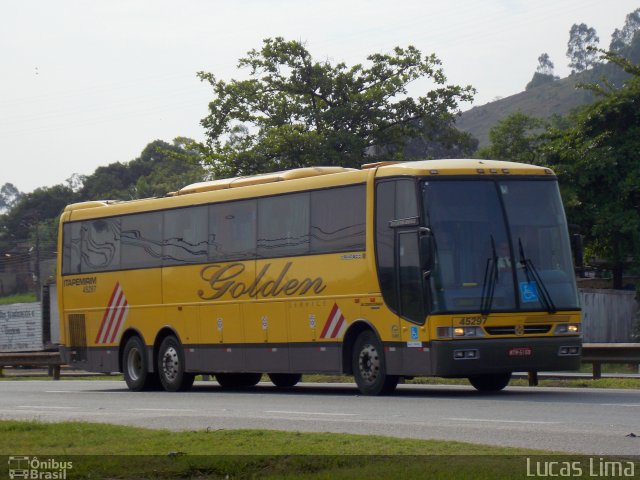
x: 528, y: 292
x: 414, y: 333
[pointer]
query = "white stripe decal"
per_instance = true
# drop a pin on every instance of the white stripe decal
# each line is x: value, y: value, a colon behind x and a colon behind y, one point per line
x: 121, y: 319
x: 343, y: 328
x: 332, y: 324
x: 335, y: 325
x: 114, y: 318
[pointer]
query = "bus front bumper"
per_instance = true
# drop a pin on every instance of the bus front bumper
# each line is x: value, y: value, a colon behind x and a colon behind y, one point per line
x: 461, y: 358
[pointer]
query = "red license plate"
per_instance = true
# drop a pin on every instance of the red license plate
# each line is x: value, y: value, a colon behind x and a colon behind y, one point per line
x: 520, y: 352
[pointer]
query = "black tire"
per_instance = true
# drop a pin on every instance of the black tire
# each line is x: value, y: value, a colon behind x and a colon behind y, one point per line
x: 135, y: 366
x: 171, y: 366
x: 493, y: 382
x: 238, y: 380
x: 369, y: 367
x: 285, y: 380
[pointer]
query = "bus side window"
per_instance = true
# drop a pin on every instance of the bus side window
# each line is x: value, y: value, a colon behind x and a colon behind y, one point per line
x: 141, y: 241
x: 232, y: 230
x: 283, y: 225
x: 335, y: 228
x: 71, y: 249
x: 100, y: 245
x: 185, y: 236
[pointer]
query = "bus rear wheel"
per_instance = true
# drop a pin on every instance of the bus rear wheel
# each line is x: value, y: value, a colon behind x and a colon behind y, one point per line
x: 285, y: 380
x: 171, y: 366
x: 493, y: 382
x: 135, y: 366
x: 369, y: 367
x: 238, y: 380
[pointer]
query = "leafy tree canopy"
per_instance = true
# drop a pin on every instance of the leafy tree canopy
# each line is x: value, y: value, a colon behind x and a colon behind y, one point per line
x: 295, y: 111
x: 598, y: 161
x: 620, y: 38
x: 516, y: 139
x: 9, y: 195
x: 545, y: 65
x: 161, y: 167
x: 32, y: 208
x: 581, y: 37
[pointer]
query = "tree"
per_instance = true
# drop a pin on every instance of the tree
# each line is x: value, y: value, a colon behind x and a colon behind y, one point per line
x: 515, y: 138
x: 9, y: 195
x: 32, y: 210
x: 161, y: 167
x: 623, y: 38
x: 294, y: 111
x: 75, y: 181
x: 580, y: 38
x: 598, y: 161
x: 545, y: 65
x: 544, y: 72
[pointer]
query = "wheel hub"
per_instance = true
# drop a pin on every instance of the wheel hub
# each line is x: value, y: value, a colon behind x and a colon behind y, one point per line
x: 170, y: 364
x: 369, y: 363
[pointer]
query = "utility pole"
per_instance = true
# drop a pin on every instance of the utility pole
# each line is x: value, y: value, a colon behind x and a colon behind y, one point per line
x: 38, y: 286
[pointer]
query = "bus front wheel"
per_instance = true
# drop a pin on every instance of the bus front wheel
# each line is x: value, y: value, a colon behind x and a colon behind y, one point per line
x: 135, y: 367
x: 284, y: 380
x: 369, y: 368
x: 171, y: 366
x: 493, y: 382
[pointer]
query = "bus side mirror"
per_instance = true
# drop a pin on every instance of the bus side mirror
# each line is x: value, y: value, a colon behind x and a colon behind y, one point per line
x: 427, y: 250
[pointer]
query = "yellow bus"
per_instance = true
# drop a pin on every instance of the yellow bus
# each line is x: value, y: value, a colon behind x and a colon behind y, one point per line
x: 451, y: 268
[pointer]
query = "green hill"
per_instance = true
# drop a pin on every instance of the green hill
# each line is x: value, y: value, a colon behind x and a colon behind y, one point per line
x: 555, y: 98
x: 550, y: 98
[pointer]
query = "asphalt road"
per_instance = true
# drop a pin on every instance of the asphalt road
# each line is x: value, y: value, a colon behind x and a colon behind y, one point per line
x: 588, y: 421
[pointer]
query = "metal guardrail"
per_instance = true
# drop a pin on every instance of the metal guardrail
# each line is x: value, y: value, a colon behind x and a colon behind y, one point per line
x: 599, y: 353
x: 33, y: 359
x: 594, y: 353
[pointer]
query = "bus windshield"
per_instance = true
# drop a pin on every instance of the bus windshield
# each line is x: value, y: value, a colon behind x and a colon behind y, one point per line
x: 500, y: 245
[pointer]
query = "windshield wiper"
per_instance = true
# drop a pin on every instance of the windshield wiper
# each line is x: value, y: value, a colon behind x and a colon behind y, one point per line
x: 530, y: 269
x: 490, y: 279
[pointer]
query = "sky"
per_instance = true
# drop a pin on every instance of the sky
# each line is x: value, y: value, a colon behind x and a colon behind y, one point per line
x: 85, y: 83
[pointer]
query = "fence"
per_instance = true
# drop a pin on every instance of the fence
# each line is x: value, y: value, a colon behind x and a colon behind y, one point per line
x: 607, y: 315
x: 31, y: 327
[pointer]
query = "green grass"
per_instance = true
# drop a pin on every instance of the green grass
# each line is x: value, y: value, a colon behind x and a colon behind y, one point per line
x: 611, y: 368
x: 18, y: 298
x: 107, y: 453
x: 80, y: 438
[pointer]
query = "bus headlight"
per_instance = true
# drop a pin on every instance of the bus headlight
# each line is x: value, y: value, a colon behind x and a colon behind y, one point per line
x: 459, y: 332
x: 468, y: 332
x: 567, y: 329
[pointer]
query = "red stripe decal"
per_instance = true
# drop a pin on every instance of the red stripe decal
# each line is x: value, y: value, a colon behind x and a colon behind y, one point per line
x: 106, y: 313
x: 112, y: 316
x: 329, y: 320
x: 118, y: 324
x: 338, y: 326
